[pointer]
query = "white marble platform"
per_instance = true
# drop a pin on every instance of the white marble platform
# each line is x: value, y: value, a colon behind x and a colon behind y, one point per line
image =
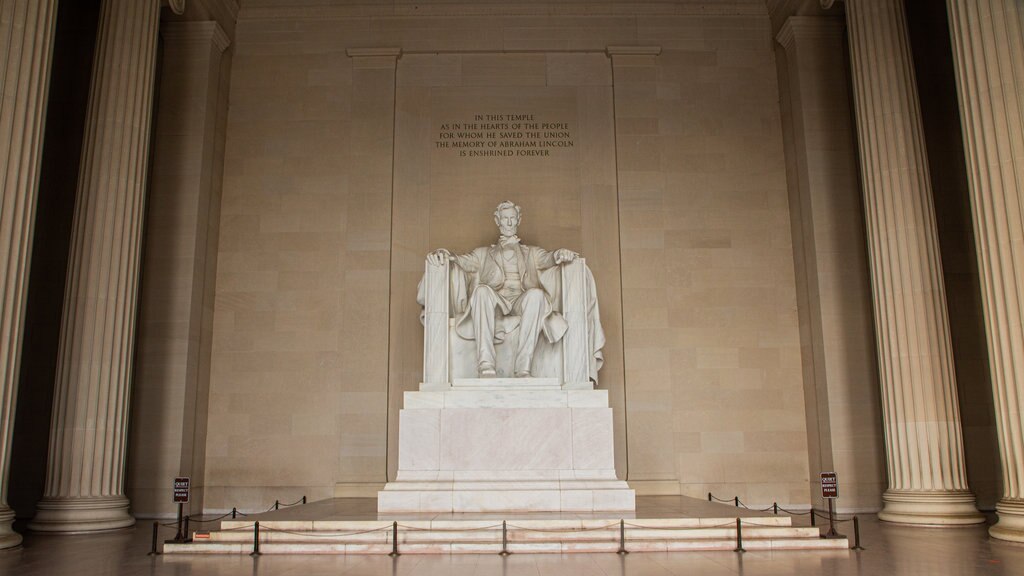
x: 487, y: 445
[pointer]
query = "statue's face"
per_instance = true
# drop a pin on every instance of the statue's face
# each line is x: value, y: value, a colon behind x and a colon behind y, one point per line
x: 508, y: 221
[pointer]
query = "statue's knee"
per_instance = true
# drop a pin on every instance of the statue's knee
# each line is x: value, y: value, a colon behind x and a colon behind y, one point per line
x: 484, y: 294
x: 533, y: 296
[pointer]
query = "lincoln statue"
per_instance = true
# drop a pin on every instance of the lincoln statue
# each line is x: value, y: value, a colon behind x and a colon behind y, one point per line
x: 505, y: 282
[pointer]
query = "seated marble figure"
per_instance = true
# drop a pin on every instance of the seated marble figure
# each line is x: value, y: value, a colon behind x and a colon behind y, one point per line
x: 513, y: 293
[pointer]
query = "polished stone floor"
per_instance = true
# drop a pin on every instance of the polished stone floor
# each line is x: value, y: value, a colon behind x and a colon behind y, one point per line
x: 891, y: 549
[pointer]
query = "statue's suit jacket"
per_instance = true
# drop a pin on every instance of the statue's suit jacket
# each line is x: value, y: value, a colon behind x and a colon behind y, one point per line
x: 537, y: 269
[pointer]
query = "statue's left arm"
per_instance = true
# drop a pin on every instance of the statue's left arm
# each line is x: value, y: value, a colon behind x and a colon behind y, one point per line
x: 547, y: 259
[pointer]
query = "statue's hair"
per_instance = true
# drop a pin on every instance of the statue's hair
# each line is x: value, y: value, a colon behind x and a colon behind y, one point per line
x: 508, y: 204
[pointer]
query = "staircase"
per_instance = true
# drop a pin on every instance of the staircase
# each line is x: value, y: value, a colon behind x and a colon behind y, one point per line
x: 484, y: 536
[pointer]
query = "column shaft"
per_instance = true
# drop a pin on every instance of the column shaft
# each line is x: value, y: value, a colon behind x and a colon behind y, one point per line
x: 85, y: 474
x: 927, y: 479
x: 26, y: 31
x: 988, y: 45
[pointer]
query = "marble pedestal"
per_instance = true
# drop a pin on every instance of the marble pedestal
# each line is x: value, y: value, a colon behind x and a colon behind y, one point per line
x: 506, y: 445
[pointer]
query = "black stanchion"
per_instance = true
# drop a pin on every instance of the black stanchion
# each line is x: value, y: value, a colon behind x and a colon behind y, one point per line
x: 709, y: 496
x: 394, y: 540
x: 813, y: 515
x: 622, y: 537
x: 256, y: 539
x: 856, y: 534
x: 739, y: 536
x: 775, y: 508
x: 303, y: 499
x: 736, y: 501
x: 234, y: 513
x: 832, y: 521
x: 277, y: 504
x: 156, y: 529
x: 180, y: 535
x: 185, y: 537
x: 504, y: 539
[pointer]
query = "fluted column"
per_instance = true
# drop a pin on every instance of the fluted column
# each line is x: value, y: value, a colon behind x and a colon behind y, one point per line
x: 26, y: 32
x: 988, y: 43
x: 85, y: 472
x: 924, y: 448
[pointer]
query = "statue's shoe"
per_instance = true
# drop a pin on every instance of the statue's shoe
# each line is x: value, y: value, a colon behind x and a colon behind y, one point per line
x: 525, y: 374
x: 487, y: 371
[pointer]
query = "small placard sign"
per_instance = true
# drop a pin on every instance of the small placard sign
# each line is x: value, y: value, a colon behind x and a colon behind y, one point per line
x: 181, y: 486
x: 829, y: 485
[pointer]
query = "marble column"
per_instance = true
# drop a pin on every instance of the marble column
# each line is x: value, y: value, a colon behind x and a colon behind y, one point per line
x: 26, y: 32
x: 924, y: 448
x: 988, y: 45
x: 85, y: 472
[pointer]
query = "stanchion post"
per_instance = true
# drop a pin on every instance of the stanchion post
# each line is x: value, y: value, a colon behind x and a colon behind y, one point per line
x: 185, y: 534
x: 736, y: 501
x: 394, y: 540
x: 303, y: 498
x: 277, y: 504
x: 709, y: 496
x: 234, y: 512
x: 775, y: 508
x: 622, y: 537
x: 180, y: 535
x: 156, y: 530
x: 813, y: 515
x: 739, y: 536
x: 832, y: 520
x: 256, y: 539
x: 856, y: 534
x: 504, y: 539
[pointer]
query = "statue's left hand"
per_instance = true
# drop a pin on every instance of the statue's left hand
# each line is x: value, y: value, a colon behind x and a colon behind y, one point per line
x: 563, y: 256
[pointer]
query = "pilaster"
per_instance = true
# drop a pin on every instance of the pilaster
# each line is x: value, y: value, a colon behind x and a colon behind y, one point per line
x: 837, y: 337
x: 368, y: 238
x: 172, y: 372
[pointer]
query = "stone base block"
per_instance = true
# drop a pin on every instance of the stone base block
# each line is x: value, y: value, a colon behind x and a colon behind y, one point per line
x: 8, y: 537
x: 1011, y: 521
x: 507, y: 496
x: 930, y: 508
x: 75, y: 515
x: 517, y: 447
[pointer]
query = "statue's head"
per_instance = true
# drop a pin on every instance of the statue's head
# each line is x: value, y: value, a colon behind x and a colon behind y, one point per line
x: 507, y: 216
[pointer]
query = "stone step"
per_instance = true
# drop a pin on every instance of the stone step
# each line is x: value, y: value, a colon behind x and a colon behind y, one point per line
x: 514, y: 547
x: 552, y: 524
x: 524, y: 535
x: 515, y: 535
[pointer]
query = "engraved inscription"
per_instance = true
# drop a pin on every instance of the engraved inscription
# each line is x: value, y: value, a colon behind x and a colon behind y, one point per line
x: 505, y: 135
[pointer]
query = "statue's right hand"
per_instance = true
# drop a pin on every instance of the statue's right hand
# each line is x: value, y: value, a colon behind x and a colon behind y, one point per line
x: 439, y: 257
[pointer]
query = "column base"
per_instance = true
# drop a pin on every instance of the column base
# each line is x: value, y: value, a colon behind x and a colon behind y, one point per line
x: 1011, y: 521
x: 8, y: 537
x: 75, y: 515
x: 930, y: 508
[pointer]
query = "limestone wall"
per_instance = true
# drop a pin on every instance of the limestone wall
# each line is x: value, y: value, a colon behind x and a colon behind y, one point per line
x: 674, y: 190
